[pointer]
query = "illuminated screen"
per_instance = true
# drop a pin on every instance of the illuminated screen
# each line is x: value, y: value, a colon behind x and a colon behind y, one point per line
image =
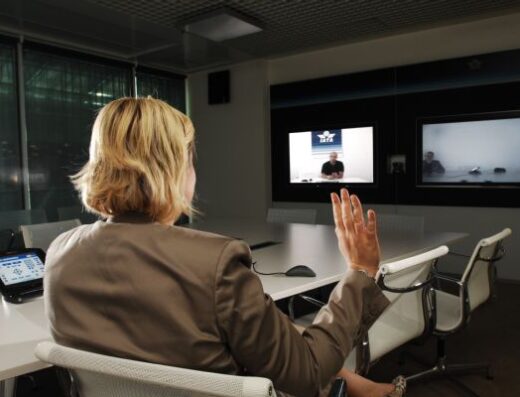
x: 471, y: 152
x: 15, y: 269
x: 332, y: 156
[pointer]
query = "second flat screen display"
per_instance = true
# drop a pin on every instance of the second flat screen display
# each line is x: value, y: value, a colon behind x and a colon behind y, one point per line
x: 479, y: 152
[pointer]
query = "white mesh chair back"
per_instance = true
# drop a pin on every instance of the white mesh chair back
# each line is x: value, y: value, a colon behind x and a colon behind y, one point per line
x: 41, y: 235
x: 478, y: 273
x: 405, y: 318
x: 401, y: 224
x: 284, y: 215
x: 97, y: 375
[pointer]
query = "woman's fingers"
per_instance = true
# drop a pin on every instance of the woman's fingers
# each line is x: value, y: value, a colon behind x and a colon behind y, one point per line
x: 358, y: 210
x: 372, y: 221
x: 336, y: 210
x: 359, y: 227
x: 346, y: 208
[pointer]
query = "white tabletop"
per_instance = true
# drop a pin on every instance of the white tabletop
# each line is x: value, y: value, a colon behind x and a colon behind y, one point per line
x: 22, y: 326
x: 316, y: 247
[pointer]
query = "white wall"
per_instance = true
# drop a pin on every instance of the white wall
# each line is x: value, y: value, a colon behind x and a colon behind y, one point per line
x: 233, y: 139
x: 232, y: 159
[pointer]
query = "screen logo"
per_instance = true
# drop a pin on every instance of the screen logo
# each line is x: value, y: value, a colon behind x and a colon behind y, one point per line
x: 326, y: 137
x: 325, y: 141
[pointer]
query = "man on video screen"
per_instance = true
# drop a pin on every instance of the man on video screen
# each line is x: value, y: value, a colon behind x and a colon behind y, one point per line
x: 430, y: 165
x: 332, y: 169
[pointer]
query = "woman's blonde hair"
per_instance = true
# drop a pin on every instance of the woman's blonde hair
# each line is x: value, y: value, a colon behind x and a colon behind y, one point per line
x: 140, y: 152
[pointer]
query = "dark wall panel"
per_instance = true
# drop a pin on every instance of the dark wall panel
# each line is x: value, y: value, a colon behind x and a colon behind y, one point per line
x: 394, y: 100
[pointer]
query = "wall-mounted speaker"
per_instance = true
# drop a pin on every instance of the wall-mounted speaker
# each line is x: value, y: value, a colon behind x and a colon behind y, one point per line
x: 219, y: 87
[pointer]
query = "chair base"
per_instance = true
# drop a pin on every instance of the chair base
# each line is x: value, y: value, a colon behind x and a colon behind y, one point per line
x: 443, y: 370
x: 448, y: 371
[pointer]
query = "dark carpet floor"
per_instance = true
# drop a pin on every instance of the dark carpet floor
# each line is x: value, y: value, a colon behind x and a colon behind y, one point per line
x: 493, y: 335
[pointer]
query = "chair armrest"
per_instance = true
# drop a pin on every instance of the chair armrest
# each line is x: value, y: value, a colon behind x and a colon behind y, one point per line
x: 404, y: 265
x: 459, y: 254
x: 415, y: 287
x: 339, y: 388
x: 312, y: 301
x: 444, y: 277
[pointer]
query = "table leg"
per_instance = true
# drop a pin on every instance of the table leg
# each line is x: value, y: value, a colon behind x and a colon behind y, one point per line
x: 7, y: 387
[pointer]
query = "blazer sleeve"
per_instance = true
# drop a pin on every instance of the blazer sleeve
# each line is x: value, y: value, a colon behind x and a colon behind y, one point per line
x: 265, y: 343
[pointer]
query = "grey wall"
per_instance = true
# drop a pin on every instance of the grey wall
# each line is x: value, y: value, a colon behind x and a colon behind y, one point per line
x: 464, y: 39
x: 233, y: 139
x: 232, y: 159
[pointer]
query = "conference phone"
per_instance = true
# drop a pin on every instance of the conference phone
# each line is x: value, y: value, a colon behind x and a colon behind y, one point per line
x: 21, y: 274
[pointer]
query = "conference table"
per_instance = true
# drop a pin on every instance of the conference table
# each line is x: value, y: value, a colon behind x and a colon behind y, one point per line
x: 275, y: 247
x: 290, y: 244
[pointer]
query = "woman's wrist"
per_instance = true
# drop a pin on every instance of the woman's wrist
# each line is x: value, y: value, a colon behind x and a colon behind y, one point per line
x: 370, y: 272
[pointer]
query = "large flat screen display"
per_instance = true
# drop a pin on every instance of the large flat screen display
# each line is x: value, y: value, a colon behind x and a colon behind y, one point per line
x: 343, y: 155
x: 475, y: 152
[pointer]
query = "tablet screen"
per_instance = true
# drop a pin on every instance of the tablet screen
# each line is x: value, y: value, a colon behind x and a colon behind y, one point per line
x: 20, y: 268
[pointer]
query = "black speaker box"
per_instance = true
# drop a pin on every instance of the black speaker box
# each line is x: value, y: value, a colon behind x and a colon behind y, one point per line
x: 219, y: 87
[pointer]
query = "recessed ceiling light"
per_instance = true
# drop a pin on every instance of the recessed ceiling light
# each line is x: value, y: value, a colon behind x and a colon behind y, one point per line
x: 220, y: 26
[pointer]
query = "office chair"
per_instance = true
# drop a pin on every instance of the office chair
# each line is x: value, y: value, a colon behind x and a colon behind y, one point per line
x: 10, y: 222
x: 7, y: 238
x: 41, y: 235
x: 453, y: 312
x: 97, y: 375
x: 285, y: 215
x: 407, y: 284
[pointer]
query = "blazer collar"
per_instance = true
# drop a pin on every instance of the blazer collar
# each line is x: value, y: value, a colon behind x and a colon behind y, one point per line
x: 131, y: 217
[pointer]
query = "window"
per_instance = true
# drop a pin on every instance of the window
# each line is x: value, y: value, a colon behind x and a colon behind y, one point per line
x: 169, y: 88
x: 62, y: 95
x: 11, y: 184
x: 63, y: 90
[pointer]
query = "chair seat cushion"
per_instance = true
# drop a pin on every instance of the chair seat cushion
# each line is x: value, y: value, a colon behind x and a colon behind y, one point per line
x: 391, y: 330
x: 449, y: 311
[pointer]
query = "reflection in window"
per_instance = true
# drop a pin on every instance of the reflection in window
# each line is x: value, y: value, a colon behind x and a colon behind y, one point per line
x: 169, y: 88
x: 62, y: 97
x: 10, y: 165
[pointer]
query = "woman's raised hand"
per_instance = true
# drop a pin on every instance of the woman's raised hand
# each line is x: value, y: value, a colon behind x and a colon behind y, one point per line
x: 357, y: 236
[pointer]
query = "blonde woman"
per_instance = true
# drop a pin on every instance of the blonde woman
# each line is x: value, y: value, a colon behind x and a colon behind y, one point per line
x: 137, y: 287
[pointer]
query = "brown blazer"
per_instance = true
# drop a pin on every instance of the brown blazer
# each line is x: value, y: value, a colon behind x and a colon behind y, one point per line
x: 181, y: 297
